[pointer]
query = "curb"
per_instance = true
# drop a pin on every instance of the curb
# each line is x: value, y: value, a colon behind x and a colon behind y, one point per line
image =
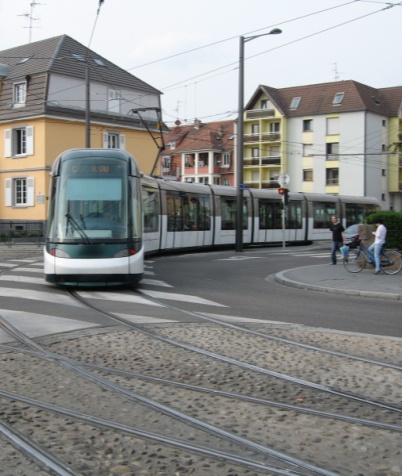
x: 282, y: 279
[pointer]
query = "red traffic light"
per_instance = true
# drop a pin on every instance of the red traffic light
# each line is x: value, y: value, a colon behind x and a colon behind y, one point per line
x: 282, y: 191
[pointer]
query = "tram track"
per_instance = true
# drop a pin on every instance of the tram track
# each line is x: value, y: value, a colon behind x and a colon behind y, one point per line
x: 248, y: 405
x: 308, y: 469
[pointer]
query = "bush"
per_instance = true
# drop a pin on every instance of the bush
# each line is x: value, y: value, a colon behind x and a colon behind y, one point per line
x: 393, y: 223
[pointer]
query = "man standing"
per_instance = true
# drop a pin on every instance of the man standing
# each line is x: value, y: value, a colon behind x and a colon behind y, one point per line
x: 379, y: 241
x: 338, y: 237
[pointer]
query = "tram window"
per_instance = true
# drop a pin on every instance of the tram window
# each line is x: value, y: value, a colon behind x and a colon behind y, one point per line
x: 150, y: 206
x: 270, y: 214
x: 229, y: 211
x: 188, y: 212
x: 322, y: 213
x: 294, y: 216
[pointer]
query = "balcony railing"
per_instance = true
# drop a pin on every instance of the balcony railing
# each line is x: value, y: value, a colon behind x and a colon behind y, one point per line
x: 260, y: 113
x: 262, y: 161
x: 263, y: 137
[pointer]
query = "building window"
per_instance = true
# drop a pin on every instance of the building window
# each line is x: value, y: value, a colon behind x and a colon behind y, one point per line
x: 20, y: 94
x: 384, y: 173
x: 332, y: 125
x: 114, y: 140
x: 307, y: 125
x: 18, y: 142
x: 295, y: 103
x: 226, y: 159
x: 266, y: 104
x: 274, y: 127
x: 338, y: 98
x: 255, y: 152
x: 308, y: 150
x: 166, y: 163
x: 255, y: 128
x: 384, y: 123
x: 332, y: 176
x: 113, y: 101
x: 226, y: 182
x: 332, y: 151
x: 19, y: 192
x: 308, y: 175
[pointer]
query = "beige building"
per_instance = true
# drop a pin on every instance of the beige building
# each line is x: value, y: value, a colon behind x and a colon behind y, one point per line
x: 55, y: 95
x: 342, y: 138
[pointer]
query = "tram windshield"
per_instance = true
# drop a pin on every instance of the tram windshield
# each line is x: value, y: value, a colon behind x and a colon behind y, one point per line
x: 91, y: 201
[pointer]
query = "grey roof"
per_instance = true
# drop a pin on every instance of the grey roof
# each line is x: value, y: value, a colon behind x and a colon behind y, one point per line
x: 55, y: 55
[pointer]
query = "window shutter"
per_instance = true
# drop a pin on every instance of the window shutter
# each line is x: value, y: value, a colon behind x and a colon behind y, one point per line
x: 122, y: 140
x: 7, y: 198
x: 30, y: 191
x: 30, y: 140
x: 7, y: 143
x: 105, y: 141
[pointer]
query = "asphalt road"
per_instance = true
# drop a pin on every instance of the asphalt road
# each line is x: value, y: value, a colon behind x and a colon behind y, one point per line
x: 244, y: 283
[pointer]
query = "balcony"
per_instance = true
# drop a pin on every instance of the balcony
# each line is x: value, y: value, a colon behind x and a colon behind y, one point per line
x: 262, y: 161
x: 260, y: 113
x: 263, y: 137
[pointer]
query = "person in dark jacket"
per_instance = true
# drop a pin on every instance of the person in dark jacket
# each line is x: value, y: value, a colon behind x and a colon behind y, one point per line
x: 338, y: 237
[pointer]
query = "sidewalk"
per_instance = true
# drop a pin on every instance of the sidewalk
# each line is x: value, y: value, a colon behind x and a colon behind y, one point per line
x: 336, y: 279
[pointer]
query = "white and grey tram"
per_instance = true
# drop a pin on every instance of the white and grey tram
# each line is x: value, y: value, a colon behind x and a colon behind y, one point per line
x: 184, y: 216
x: 104, y: 217
x: 94, y: 229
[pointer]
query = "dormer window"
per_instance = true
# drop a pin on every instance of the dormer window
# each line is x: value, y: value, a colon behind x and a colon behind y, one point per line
x: 295, y: 103
x: 99, y: 62
x: 19, y: 94
x: 78, y: 57
x: 338, y: 98
x: 265, y: 104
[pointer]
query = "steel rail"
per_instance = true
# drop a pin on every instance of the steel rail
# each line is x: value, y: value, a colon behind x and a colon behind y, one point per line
x: 145, y: 434
x: 243, y: 365
x: 266, y: 451
x: 34, y: 451
x: 273, y: 338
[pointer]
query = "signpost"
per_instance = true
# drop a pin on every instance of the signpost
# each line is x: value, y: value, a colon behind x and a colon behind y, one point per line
x: 283, y: 181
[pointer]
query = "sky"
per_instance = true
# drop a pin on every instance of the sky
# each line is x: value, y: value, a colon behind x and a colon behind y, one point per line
x: 189, y: 49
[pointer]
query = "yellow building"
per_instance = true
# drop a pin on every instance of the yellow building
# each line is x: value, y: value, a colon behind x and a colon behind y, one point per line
x: 55, y: 95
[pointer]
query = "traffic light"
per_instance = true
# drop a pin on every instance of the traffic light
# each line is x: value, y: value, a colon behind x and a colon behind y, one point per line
x: 285, y: 194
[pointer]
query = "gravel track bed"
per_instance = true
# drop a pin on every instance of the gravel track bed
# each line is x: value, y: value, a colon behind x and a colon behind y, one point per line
x: 345, y: 449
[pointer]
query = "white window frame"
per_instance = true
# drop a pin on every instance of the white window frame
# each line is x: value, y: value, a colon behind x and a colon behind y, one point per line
x: 19, y: 141
x: 166, y: 163
x: 114, y: 99
x: 114, y: 140
x: 20, y: 192
x: 19, y: 94
x: 226, y: 159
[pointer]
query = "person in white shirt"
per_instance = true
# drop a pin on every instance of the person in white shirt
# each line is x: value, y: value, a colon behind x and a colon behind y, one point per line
x: 379, y: 241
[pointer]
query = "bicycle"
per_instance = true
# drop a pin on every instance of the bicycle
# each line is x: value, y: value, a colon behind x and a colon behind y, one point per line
x: 355, y: 260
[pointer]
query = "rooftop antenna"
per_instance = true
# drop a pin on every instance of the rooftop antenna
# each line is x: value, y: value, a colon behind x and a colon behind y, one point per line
x: 31, y: 17
x: 336, y: 72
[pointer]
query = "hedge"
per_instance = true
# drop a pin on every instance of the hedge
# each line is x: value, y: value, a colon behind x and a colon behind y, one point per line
x: 393, y: 223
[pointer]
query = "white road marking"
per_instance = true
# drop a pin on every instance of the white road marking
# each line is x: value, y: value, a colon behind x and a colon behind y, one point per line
x: 50, y: 297
x: 181, y: 298
x: 35, y: 325
x: 155, y: 282
x: 106, y: 296
x: 143, y: 319
x: 22, y: 279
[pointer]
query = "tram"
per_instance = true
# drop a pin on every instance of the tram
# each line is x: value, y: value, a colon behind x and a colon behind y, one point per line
x: 104, y: 217
x: 189, y: 216
x: 94, y: 230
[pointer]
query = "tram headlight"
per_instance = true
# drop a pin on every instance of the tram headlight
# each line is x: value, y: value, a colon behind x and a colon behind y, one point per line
x: 58, y: 253
x: 125, y: 253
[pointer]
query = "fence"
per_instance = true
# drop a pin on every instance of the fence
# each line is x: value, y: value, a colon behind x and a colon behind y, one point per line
x: 22, y: 233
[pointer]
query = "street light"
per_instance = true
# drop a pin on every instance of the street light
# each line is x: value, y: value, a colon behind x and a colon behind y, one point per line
x: 240, y: 139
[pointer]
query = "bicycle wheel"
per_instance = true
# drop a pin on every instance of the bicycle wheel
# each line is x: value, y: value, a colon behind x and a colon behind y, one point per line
x: 391, y: 262
x: 354, y: 261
